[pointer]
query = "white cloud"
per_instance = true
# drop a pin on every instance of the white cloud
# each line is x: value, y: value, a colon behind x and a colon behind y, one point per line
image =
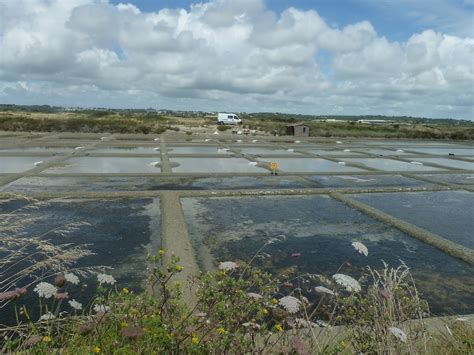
x: 225, y: 54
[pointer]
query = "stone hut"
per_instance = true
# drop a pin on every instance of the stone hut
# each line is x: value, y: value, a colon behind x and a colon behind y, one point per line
x: 297, y: 130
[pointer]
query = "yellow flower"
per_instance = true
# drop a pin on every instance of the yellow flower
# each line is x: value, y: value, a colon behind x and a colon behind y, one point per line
x: 177, y: 284
x: 195, y: 340
x: 221, y: 331
x: 274, y: 301
x: 161, y: 252
x: 343, y: 344
x: 278, y: 328
x: 124, y: 324
x: 96, y: 349
x: 265, y: 312
x: 125, y: 290
x: 46, y: 339
x: 179, y: 268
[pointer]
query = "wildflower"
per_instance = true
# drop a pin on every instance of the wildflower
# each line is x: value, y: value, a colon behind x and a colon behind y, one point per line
x: 324, y: 290
x: 76, y: 305
x: 195, y: 340
x: 361, y: 248
x: 105, y: 279
x: 278, y: 328
x: 45, y: 289
x: 133, y: 332
x: 101, y: 308
x: 125, y: 290
x: 12, y: 295
x: 298, y: 346
x: 32, y: 341
x: 46, y: 339
x: 61, y: 295
x: 303, y: 323
x: 251, y: 324
x: 254, y: 295
x: 47, y: 316
x: 96, y: 349
x: 228, y: 266
x: 274, y: 301
x: 71, y: 278
x: 398, y: 333
x: 265, y: 312
x: 221, y: 331
x: 59, y: 280
x: 290, y: 304
x: 124, y: 324
x: 161, y: 252
x: 349, y: 283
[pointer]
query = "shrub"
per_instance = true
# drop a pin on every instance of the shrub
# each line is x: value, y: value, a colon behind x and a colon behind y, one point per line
x: 222, y: 128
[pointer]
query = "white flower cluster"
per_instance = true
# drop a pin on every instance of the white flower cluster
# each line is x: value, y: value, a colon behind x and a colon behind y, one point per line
x: 290, y: 304
x: 76, y: 305
x: 322, y: 290
x: 71, y: 278
x: 361, y: 248
x: 101, y: 308
x: 303, y: 323
x: 47, y: 316
x: 105, y: 279
x: 349, y: 283
x: 228, y: 266
x: 45, y: 289
x: 398, y: 333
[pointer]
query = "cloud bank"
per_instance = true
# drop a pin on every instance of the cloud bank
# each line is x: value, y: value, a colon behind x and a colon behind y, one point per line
x: 224, y: 54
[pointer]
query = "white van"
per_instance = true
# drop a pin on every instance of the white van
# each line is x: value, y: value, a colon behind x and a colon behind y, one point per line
x: 228, y: 118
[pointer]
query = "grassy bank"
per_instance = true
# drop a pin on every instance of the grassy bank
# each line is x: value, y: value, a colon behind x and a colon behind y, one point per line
x: 88, y: 122
x: 320, y: 128
x: 141, y: 121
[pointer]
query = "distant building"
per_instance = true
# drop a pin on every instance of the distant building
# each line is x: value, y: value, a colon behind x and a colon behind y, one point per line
x: 297, y: 130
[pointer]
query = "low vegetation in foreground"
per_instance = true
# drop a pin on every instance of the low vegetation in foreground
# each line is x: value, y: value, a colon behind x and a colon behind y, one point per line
x: 236, y: 309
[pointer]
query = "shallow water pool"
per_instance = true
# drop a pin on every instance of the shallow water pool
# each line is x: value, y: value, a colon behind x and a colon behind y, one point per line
x: 20, y: 164
x: 320, y: 231
x: 107, y: 165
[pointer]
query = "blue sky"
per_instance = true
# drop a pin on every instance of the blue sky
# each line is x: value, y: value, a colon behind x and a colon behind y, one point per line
x: 391, y: 57
x: 395, y: 19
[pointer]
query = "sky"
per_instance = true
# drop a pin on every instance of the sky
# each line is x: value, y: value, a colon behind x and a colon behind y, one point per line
x: 323, y: 57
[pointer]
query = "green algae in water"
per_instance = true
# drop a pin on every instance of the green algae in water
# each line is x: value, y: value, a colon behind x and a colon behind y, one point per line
x: 446, y: 213
x: 321, y: 230
x: 117, y: 232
